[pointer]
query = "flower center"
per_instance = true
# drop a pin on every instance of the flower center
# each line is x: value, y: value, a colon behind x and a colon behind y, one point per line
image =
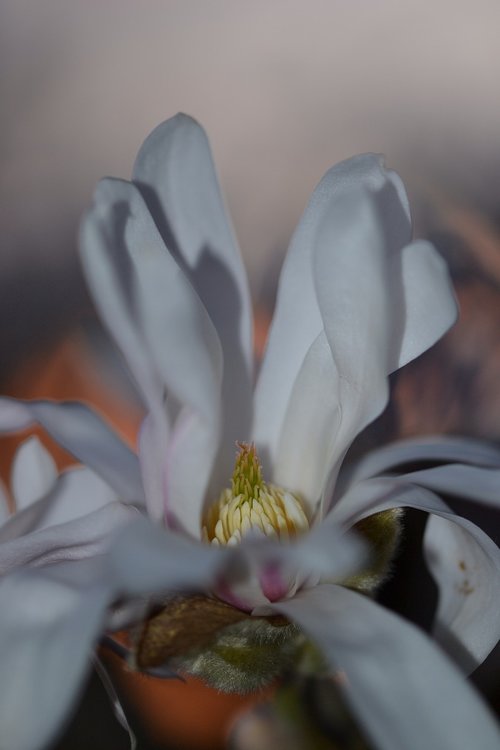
x: 252, y: 505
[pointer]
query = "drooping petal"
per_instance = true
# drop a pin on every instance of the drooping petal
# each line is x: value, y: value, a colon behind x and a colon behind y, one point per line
x: 404, y: 692
x: 34, y: 473
x: 84, y: 434
x: 76, y: 493
x: 176, y: 333
x: 467, y: 622
x: 47, y: 630
x: 476, y: 483
x: 146, y: 560
x: 297, y: 320
x: 82, y: 538
x: 431, y: 450
x: 468, y: 578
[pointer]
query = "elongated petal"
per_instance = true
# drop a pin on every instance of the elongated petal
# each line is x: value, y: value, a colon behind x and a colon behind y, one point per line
x: 467, y: 622
x: 34, y: 473
x: 430, y: 450
x: 84, y: 537
x: 52, y: 617
x: 168, y: 312
x: 476, y: 483
x: 384, y: 305
x: 468, y: 576
x: 175, y: 173
x: 47, y: 630
x: 175, y: 329
x: 404, y: 691
x: 76, y: 493
x: 310, y: 426
x: 298, y: 321
x: 84, y: 434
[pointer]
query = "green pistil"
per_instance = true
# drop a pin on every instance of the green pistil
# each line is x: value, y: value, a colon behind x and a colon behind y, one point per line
x: 247, y: 479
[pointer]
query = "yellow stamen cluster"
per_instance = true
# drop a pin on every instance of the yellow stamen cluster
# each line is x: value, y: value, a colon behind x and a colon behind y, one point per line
x: 252, y: 505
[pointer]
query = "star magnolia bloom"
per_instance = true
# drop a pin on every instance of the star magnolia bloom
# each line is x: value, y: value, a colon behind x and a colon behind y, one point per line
x: 357, y: 299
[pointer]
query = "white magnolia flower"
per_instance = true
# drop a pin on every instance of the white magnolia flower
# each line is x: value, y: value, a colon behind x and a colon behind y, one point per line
x: 357, y: 299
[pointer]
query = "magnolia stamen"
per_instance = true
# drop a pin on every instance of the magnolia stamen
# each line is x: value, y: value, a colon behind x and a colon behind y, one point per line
x: 252, y: 505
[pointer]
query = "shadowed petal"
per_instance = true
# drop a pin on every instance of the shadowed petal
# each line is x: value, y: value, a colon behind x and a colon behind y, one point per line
x: 84, y: 537
x: 76, y: 492
x: 175, y: 172
x: 175, y: 329
x: 297, y: 320
x: 47, y: 631
x: 432, y: 449
x: 84, y: 434
x: 468, y: 618
x: 475, y: 483
x: 404, y: 691
x: 34, y: 473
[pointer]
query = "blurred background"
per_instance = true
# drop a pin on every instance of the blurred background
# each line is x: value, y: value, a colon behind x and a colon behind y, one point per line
x: 284, y: 88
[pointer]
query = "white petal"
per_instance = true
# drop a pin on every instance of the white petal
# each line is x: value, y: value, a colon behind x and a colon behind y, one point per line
x: 34, y: 473
x: 47, y: 630
x: 429, y: 306
x: 467, y: 622
x: 433, y: 449
x: 180, y: 338
x: 404, y: 692
x: 77, y: 492
x: 177, y: 335
x: 297, y: 321
x: 467, y: 625
x: 84, y: 434
x: 310, y: 427
x: 145, y: 559
x: 175, y: 173
x: 382, y: 303
x: 187, y: 466
x: 475, y: 483
x: 84, y: 537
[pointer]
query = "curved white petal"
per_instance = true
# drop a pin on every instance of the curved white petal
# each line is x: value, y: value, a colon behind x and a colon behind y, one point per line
x: 429, y: 307
x: 174, y: 327
x: 404, y: 692
x: 180, y: 339
x: 297, y: 321
x: 76, y: 493
x: 432, y: 449
x: 81, y: 538
x: 175, y: 172
x: 34, y: 473
x: 468, y: 578
x: 468, y: 617
x: 476, y: 483
x: 84, y: 434
x: 310, y: 427
x: 47, y: 630
x: 384, y: 305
